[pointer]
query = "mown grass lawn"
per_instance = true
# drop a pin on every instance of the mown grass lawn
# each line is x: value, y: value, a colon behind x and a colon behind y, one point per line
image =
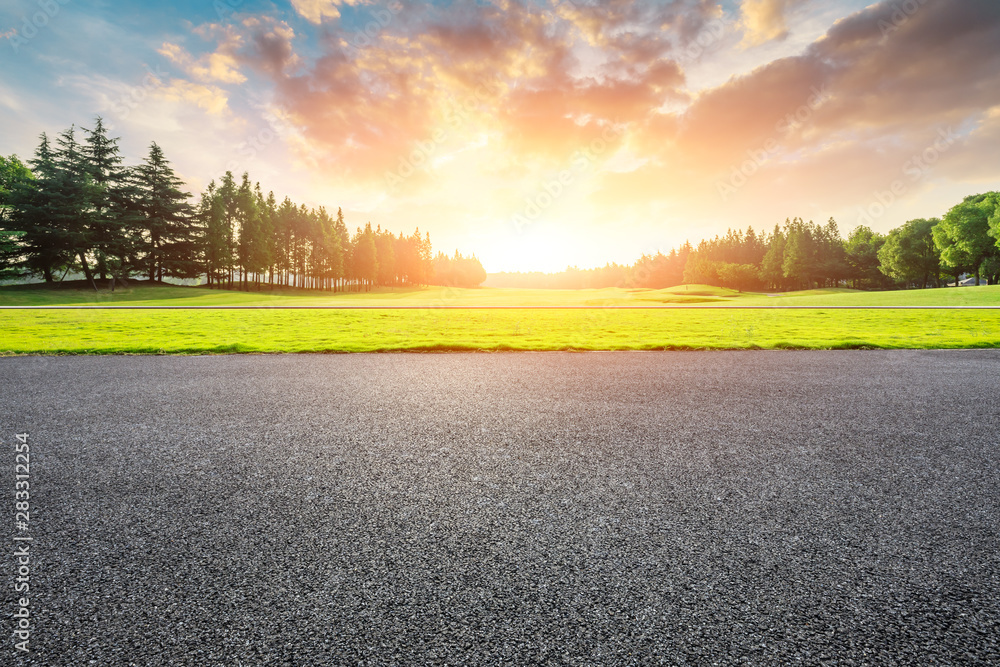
x: 266, y: 330
x: 144, y: 294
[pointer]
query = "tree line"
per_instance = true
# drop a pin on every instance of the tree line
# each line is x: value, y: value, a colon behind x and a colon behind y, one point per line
x: 77, y: 207
x: 803, y: 255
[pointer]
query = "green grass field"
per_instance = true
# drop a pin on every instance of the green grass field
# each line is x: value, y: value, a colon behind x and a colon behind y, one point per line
x: 270, y: 331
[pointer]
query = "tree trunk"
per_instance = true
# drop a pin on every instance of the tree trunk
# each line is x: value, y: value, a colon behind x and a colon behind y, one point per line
x: 86, y: 270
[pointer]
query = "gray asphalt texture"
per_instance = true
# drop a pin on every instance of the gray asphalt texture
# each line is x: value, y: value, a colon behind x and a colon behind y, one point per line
x: 465, y: 509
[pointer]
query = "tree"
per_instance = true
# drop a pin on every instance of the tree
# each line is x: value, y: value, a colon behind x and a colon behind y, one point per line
x: 365, y: 259
x: 862, y: 257
x: 253, y: 240
x: 227, y: 197
x: 963, y: 235
x: 771, y: 271
x: 386, y: 253
x: 738, y: 276
x: 74, y: 199
x: 800, y: 264
x: 215, y: 250
x: 831, y: 257
x: 13, y: 173
x: 169, y: 231
x: 50, y: 215
x: 994, y: 219
x: 80, y: 206
x: 909, y: 254
x: 458, y: 271
x: 699, y: 270
x: 116, y: 219
x: 341, y: 235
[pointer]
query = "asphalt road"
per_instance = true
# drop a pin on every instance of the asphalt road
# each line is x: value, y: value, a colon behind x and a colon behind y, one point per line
x: 599, y: 508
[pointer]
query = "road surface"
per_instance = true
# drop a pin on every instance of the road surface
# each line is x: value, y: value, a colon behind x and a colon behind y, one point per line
x: 595, y: 508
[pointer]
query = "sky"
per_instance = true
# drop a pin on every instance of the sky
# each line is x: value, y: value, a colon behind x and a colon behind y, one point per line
x: 535, y: 134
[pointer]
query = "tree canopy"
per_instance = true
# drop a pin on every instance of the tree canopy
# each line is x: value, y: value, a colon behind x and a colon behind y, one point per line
x: 77, y: 207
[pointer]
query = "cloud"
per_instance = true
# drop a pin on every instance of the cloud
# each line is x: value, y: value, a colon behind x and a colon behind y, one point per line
x: 269, y: 45
x: 846, y: 115
x: 764, y: 20
x: 481, y: 102
x: 211, y: 99
x: 221, y: 66
x: 315, y: 11
x: 543, y: 84
x: 532, y: 80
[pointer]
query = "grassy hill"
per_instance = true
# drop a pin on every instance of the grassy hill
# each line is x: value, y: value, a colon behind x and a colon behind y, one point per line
x: 151, y: 294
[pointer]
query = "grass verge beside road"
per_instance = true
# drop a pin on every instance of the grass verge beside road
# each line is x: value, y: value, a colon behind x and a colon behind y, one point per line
x: 266, y: 330
x: 272, y: 331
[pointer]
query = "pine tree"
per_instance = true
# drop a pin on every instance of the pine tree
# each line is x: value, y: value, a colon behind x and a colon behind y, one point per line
x: 170, y: 234
x: 215, y: 251
x: 227, y: 197
x: 284, y: 222
x: 269, y: 213
x: 344, y: 238
x: 73, y: 199
x: 116, y: 217
x: 365, y: 257
x: 253, y: 241
x: 771, y: 271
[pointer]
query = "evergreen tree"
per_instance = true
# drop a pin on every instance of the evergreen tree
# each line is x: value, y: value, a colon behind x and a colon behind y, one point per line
x: 169, y: 230
x: 216, y: 250
x: 386, y: 253
x: 116, y: 218
x: 365, y: 260
x: 72, y: 200
x: 227, y: 196
x: 344, y: 237
x: 771, y: 270
x: 253, y: 245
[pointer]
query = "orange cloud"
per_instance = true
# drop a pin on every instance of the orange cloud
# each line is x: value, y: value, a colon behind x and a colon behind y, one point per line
x: 764, y: 20
x: 209, y: 98
x: 221, y: 66
x: 467, y: 109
